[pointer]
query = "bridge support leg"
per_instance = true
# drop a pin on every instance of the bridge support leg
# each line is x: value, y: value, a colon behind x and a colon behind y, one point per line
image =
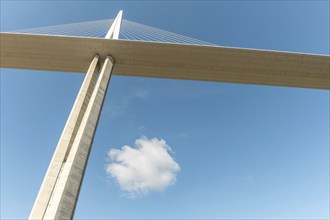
x: 60, y: 189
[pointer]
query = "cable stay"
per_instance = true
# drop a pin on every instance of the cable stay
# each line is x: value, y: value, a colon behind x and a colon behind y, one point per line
x: 129, y: 30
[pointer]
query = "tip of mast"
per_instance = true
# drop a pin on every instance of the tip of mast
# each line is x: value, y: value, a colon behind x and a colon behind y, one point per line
x: 114, y: 30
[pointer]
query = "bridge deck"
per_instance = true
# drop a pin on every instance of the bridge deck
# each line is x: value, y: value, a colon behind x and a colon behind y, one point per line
x: 163, y: 60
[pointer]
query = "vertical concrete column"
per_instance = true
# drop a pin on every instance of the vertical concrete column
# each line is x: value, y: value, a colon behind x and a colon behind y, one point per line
x: 65, y: 142
x: 63, y: 200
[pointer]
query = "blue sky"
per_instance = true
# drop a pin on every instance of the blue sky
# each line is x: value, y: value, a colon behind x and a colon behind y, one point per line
x: 244, y: 151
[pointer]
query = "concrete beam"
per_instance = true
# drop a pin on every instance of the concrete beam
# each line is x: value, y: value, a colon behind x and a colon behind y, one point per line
x: 163, y: 60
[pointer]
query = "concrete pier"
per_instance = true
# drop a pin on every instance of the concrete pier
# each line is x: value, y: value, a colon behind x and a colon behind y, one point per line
x: 60, y: 189
x: 65, y: 142
x: 59, y: 192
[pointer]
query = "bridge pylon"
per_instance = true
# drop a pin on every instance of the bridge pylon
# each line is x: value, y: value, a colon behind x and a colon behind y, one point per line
x: 59, y: 192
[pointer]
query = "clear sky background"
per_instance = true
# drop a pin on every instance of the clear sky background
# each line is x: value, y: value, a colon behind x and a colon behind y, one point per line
x: 245, y: 151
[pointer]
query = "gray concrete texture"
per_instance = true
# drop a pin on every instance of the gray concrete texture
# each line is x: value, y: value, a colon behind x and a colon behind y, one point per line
x: 60, y: 189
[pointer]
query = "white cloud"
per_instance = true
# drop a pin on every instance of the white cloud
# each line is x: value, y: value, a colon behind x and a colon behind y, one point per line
x: 144, y: 168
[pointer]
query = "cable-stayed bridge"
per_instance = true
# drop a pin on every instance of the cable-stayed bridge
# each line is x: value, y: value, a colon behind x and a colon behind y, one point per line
x: 151, y: 52
x: 115, y: 46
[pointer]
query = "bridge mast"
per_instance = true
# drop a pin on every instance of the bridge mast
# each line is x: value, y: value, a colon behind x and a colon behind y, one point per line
x: 60, y: 188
